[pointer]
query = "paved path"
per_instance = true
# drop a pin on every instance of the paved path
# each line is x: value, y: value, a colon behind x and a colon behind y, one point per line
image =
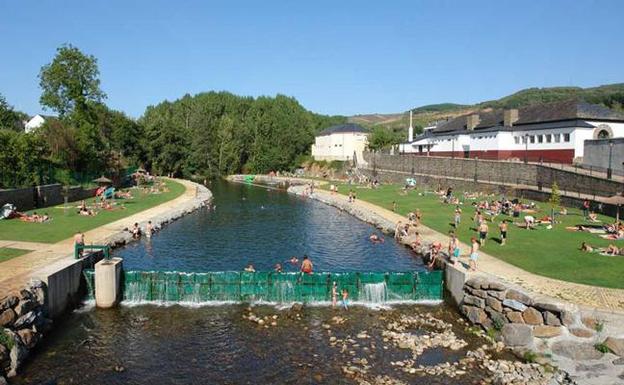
x: 17, y: 271
x: 598, y: 298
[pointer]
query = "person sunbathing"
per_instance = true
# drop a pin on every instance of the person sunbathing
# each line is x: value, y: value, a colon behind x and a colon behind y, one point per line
x: 586, y: 247
x: 611, y: 250
x: 593, y: 217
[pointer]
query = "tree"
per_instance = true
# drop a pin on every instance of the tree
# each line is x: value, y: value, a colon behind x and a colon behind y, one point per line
x: 9, y: 118
x: 70, y: 81
x: 382, y: 138
x: 555, y: 200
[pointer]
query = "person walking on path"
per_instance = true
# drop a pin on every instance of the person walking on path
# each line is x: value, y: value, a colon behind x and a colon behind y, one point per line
x: 453, y: 249
x: 474, y: 254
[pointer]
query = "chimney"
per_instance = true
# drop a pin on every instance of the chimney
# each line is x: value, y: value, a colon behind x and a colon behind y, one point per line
x: 410, y: 130
x: 472, y: 121
x: 510, y: 117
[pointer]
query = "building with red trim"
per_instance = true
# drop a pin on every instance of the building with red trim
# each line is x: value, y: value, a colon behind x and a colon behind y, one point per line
x: 550, y: 132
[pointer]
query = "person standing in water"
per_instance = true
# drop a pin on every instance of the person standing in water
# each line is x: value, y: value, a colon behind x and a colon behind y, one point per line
x: 345, y: 299
x: 334, y: 294
x: 306, y: 265
x: 149, y: 229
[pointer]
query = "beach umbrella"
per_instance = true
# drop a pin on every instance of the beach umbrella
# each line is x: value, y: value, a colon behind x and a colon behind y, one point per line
x: 103, y: 180
x: 616, y: 200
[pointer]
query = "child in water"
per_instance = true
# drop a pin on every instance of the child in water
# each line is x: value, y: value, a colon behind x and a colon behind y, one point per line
x: 345, y: 297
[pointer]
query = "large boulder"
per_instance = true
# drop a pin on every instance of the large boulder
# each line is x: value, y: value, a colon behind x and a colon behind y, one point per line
x: 24, y: 306
x: 515, y: 317
x: 7, y: 318
x: 474, y: 301
x: 616, y: 345
x: 519, y: 296
x: 475, y: 315
x: 576, y: 351
x: 515, y: 305
x: 8, y: 302
x: 28, y: 337
x: 532, y: 317
x: 495, y: 304
x: 517, y: 335
x: 477, y: 283
x: 546, y: 331
x: 26, y: 320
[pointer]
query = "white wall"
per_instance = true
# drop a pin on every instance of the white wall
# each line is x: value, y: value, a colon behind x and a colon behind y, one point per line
x: 36, y: 122
x: 339, y: 146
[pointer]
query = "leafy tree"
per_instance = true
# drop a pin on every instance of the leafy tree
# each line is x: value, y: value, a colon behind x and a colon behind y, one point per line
x: 9, y: 118
x: 70, y: 81
x: 382, y: 138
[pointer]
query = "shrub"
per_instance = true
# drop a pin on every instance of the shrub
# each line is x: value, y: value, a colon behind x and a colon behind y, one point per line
x: 529, y: 356
x: 602, y: 348
x: 6, y: 340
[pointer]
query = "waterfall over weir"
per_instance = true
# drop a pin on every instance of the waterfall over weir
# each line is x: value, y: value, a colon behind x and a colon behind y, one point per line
x: 231, y: 286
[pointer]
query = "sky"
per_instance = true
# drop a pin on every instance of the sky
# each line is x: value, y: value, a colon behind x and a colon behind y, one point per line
x: 336, y: 57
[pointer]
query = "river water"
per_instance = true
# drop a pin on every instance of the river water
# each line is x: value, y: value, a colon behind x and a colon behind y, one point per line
x: 173, y: 344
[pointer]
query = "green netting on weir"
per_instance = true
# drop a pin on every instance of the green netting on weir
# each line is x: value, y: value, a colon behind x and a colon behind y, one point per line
x: 366, y: 287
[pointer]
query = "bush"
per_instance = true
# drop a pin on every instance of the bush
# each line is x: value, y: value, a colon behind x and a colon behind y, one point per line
x: 602, y: 348
x: 529, y: 356
x: 6, y: 340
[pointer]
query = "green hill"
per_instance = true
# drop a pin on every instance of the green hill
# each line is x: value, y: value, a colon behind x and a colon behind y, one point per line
x: 611, y: 95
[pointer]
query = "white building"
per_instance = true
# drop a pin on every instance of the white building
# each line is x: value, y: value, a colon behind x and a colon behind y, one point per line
x: 552, y: 132
x: 341, y: 142
x: 35, y: 122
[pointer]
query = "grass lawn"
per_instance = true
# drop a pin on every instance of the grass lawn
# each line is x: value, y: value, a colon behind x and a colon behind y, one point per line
x: 552, y: 253
x: 65, y: 223
x: 7, y: 253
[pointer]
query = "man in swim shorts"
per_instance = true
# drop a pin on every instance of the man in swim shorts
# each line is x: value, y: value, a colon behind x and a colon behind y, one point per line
x: 306, y: 265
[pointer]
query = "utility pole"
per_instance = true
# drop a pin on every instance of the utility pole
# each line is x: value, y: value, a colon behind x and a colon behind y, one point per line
x: 526, y: 148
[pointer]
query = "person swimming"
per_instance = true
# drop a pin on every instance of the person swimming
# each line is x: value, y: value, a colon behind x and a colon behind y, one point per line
x: 306, y: 265
x: 376, y: 238
x: 278, y: 267
x: 294, y: 260
x: 250, y: 269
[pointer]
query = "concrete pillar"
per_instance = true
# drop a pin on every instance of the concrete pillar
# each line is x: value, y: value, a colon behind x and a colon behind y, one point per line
x: 108, y: 282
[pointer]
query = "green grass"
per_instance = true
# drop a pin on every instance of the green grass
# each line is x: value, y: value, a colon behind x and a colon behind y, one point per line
x: 552, y: 253
x: 66, y: 223
x: 7, y: 253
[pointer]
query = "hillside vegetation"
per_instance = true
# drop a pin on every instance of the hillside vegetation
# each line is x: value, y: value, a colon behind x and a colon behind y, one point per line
x: 611, y: 96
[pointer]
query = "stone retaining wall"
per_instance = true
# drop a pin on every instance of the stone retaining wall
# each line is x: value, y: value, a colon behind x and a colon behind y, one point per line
x: 23, y: 321
x: 43, y: 196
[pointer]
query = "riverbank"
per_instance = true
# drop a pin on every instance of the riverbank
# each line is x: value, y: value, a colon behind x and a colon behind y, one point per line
x: 499, y: 298
x: 41, y: 285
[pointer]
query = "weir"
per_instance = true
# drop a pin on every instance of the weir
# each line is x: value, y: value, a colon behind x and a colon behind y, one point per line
x: 233, y: 286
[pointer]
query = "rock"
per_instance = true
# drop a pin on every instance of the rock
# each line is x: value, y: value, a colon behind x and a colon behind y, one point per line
x: 551, y: 319
x: 576, y: 351
x: 475, y: 314
x: 7, y: 318
x: 519, y: 296
x: 25, y: 320
x: 3, y: 380
x: 582, y: 333
x: 532, y: 317
x: 546, y: 331
x: 498, y: 286
x: 25, y: 294
x: 517, y: 335
x: 515, y: 317
x: 474, y: 301
x: 514, y: 304
x: 39, y: 295
x: 590, y: 322
x: 4, y: 355
x: 296, y: 307
x: 28, y: 337
x: 618, y: 361
x: 555, y: 307
x: 567, y: 318
x: 616, y: 345
x: 24, y: 306
x: 477, y: 283
x: 9, y: 302
x: 480, y: 293
x: 495, y: 304
x: 18, y: 355
x: 500, y: 295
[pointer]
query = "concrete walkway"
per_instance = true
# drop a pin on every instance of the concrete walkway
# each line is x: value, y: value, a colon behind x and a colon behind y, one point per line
x: 17, y: 271
x: 598, y: 298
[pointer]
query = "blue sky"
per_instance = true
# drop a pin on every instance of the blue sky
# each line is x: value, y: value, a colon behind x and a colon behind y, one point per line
x: 335, y: 57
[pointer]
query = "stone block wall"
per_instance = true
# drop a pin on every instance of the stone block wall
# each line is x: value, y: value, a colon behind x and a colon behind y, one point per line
x: 23, y: 322
x: 596, y: 155
x: 494, y: 172
x: 43, y: 196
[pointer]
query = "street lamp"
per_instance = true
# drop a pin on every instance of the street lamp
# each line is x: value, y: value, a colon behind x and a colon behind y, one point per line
x: 526, y: 148
x: 609, y: 170
x: 476, y: 158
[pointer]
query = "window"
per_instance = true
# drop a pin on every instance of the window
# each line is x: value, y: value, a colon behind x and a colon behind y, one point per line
x: 557, y: 138
x: 548, y: 138
x: 540, y: 139
x: 517, y: 139
x: 566, y: 137
x: 524, y: 139
x: 532, y: 138
x: 603, y: 134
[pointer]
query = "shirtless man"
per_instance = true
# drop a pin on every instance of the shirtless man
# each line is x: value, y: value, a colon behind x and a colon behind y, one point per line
x: 503, y: 232
x: 306, y: 265
x: 149, y: 229
x: 483, y: 231
x: 474, y: 254
x: 79, y: 241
